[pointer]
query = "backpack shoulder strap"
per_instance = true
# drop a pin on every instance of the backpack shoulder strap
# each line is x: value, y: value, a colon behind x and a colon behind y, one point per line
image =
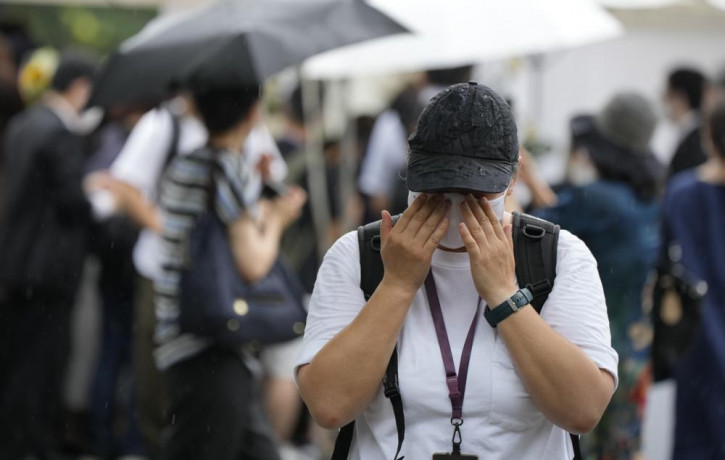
x: 535, y: 247
x: 174, y: 141
x: 371, y: 273
x: 172, y: 149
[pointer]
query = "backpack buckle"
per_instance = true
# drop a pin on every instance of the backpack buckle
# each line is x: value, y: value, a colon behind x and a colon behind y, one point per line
x: 390, y: 389
x: 376, y: 243
x: 534, y: 231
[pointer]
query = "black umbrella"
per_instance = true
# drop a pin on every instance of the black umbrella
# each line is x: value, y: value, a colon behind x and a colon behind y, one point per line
x: 233, y: 41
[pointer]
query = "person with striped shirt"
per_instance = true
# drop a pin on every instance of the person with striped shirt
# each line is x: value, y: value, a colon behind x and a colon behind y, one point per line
x: 215, y: 407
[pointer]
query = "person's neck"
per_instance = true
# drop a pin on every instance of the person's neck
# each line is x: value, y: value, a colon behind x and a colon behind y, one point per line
x: 231, y: 140
x: 62, y: 102
x: 713, y: 171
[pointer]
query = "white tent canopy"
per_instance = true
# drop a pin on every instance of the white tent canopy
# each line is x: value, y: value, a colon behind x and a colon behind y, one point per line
x: 457, y: 32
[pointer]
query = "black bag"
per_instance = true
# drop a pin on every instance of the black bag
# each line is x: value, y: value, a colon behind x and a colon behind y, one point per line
x: 217, y: 303
x: 676, y: 303
x: 535, y: 249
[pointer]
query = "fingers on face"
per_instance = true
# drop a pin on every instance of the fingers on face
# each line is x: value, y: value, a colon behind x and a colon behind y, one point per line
x: 418, y: 221
x: 412, y: 210
x: 473, y: 225
x: 491, y: 216
x: 432, y: 223
x: 468, y: 240
x: 435, y: 238
x: 386, y: 225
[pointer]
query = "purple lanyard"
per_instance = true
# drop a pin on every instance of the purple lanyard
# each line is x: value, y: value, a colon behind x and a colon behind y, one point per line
x: 456, y: 382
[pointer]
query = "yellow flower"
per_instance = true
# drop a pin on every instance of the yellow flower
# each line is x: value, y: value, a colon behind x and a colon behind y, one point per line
x: 37, y: 73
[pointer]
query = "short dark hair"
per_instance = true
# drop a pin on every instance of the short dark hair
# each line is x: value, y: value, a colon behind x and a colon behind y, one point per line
x: 222, y: 108
x: 295, y: 108
x: 72, y: 67
x: 716, y: 126
x: 408, y: 106
x: 689, y: 82
x: 450, y: 76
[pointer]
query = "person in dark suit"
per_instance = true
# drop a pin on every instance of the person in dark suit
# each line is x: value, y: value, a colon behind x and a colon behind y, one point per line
x: 43, y: 234
x: 683, y: 100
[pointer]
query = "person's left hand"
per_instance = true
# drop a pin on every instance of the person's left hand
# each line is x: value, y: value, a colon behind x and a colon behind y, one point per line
x: 490, y: 249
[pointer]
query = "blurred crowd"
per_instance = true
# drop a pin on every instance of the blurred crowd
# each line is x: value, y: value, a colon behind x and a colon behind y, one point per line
x: 90, y: 211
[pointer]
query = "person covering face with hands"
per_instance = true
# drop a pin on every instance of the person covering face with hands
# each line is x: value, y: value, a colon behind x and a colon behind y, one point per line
x: 449, y: 258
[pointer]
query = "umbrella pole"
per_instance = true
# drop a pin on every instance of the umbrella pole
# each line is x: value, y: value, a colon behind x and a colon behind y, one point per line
x: 537, y: 89
x: 315, y: 163
x: 348, y: 165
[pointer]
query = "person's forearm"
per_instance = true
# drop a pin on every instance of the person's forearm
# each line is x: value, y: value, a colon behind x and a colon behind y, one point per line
x: 256, y: 249
x: 542, y: 196
x: 144, y: 214
x: 346, y: 374
x: 563, y: 381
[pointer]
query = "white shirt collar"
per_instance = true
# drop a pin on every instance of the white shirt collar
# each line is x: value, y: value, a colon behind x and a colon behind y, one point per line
x: 80, y: 124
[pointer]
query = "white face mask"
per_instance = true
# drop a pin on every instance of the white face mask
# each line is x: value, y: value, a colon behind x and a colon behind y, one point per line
x: 452, y: 238
x: 582, y: 171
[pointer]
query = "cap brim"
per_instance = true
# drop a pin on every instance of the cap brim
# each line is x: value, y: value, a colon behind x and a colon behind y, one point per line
x: 431, y: 173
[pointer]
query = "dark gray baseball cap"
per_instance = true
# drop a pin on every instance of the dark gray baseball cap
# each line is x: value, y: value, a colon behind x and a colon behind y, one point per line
x: 465, y: 139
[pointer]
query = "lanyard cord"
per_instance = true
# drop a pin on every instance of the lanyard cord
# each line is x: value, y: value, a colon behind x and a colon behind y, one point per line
x: 456, y: 382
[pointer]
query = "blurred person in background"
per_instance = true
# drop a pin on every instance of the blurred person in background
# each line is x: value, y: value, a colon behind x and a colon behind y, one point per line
x: 694, y: 215
x: 133, y: 180
x: 683, y: 100
x: 43, y: 241
x: 612, y: 204
x: 113, y: 428
x: 299, y: 243
x: 294, y: 134
x: 386, y: 154
x: 215, y: 404
x: 10, y: 102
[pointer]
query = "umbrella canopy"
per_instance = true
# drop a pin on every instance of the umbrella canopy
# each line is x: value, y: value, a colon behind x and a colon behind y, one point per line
x: 457, y: 32
x: 233, y: 41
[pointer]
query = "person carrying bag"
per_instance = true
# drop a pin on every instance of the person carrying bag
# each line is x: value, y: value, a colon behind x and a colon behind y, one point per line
x: 221, y: 287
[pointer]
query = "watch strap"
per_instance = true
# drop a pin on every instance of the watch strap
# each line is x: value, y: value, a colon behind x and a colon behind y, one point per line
x: 520, y: 299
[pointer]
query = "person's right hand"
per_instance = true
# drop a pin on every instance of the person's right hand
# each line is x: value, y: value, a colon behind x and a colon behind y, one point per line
x: 287, y: 207
x: 407, y: 248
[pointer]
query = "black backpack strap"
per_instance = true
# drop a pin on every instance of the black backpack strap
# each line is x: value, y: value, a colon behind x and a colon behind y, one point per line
x: 371, y: 273
x: 172, y: 151
x: 343, y: 442
x: 174, y: 141
x: 392, y: 392
x: 576, y: 446
x: 535, y: 246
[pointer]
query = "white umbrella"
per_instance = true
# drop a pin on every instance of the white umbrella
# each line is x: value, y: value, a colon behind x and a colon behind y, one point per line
x: 456, y: 32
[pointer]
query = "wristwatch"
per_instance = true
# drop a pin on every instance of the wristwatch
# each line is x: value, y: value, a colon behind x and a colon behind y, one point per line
x: 522, y: 298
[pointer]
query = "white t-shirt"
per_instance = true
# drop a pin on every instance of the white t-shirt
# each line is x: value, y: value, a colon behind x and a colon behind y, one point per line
x: 141, y: 163
x: 501, y: 420
x: 387, y: 153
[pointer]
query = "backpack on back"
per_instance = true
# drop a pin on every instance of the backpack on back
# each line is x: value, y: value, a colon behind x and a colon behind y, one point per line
x: 535, y: 250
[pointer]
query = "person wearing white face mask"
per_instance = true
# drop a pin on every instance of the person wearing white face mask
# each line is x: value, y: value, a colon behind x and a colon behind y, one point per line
x: 450, y: 291
x: 452, y: 238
